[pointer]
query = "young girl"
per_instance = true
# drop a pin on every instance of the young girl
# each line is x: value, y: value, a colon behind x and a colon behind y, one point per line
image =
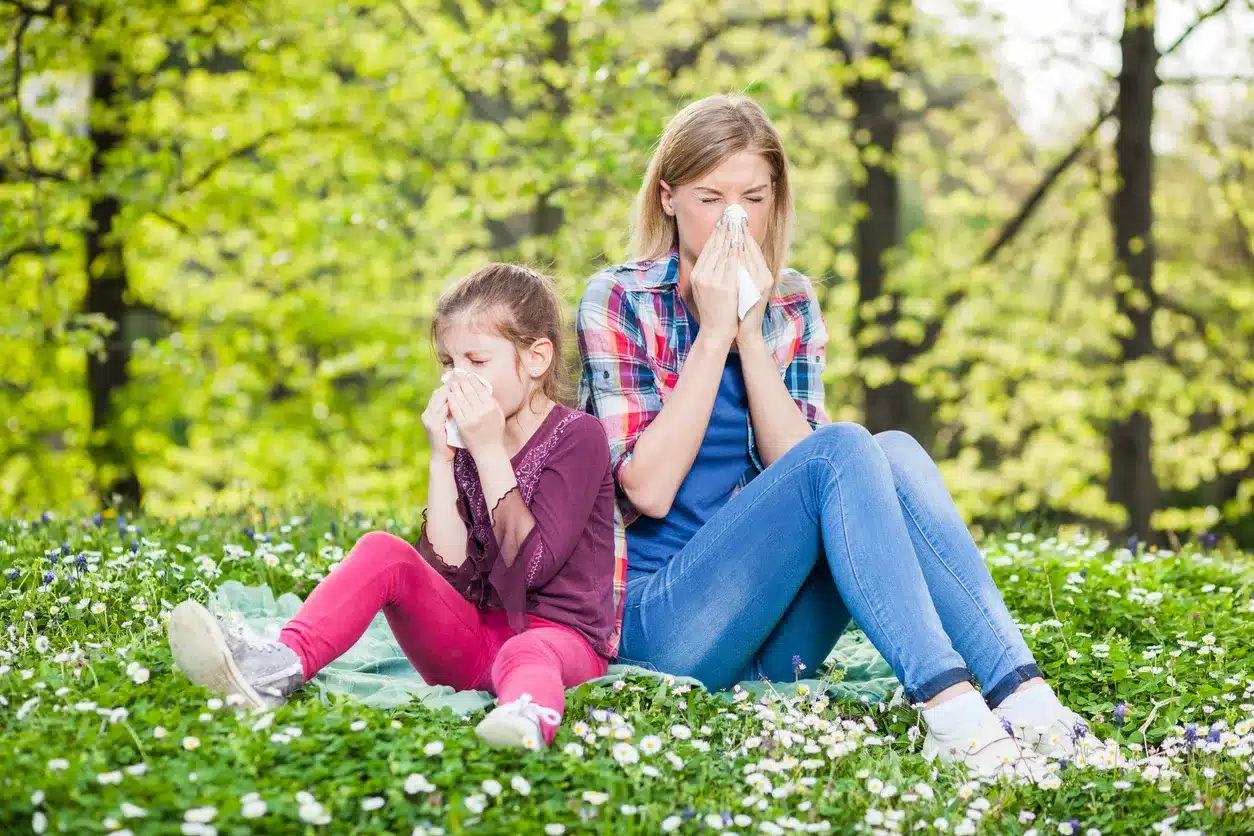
x: 511, y: 588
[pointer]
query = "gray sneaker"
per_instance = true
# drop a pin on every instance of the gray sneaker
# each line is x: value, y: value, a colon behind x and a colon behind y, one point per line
x: 232, y: 659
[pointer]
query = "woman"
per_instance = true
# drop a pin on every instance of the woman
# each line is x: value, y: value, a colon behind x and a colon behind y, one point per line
x: 756, y: 529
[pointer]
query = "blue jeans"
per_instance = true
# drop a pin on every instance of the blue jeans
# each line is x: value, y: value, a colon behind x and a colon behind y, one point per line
x: 844, y: 524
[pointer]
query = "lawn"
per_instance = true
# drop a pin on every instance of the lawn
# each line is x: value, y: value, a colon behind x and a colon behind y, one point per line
x: 101, y: 734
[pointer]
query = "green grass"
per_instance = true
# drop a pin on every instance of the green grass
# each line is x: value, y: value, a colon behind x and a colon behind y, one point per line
x: 96, y: 723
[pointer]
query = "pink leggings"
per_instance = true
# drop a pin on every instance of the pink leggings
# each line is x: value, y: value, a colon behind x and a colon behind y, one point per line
x: 449, y: 640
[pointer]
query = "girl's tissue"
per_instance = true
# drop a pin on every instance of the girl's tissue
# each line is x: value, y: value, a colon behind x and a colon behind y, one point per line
x: 450, y: 426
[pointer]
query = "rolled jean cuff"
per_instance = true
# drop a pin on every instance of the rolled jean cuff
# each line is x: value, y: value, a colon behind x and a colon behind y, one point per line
x: 937, y: 684
x: 1009, y: 683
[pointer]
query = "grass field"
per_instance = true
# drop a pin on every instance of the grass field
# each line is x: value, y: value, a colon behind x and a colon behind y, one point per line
x: 99, y: 733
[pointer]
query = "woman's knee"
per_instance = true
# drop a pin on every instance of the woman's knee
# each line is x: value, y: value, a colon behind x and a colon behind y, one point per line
x: 842, y: 439
x: 904, y: 452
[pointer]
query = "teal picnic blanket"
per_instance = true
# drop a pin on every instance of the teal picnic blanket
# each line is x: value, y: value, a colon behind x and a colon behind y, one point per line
x: 376, y: 672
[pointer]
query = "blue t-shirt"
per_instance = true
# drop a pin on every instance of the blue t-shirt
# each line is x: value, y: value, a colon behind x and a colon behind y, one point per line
x: 720, y: 463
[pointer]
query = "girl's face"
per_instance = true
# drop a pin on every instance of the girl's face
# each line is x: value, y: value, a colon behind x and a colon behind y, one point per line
x: 472, y: 344
x: 743, y: 178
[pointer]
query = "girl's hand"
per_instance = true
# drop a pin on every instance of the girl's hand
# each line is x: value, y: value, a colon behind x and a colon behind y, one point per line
x: 433, y: 418
x: 714, y: 281
x: 753, y: 260
x: 477, y: 414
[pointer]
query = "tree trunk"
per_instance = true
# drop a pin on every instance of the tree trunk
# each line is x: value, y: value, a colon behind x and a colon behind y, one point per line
x: 877, y: 124
x: 106, y: 292
x: 1132, y: 482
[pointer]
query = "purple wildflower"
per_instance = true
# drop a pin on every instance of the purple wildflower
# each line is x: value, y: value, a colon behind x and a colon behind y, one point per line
x: 1190, y: 733
x: 1133, y: 542
x: 134, y: 547
x: 1006, y: 724
x: 1208, y: 540
x: 1121, y: 713
x: 797, y: 665
x: 97, y: 519
x: 50, y: 578
x: 1075, y: 825
x: 1079, y: 731
x: 1215, y: 734
x: 14, y: 574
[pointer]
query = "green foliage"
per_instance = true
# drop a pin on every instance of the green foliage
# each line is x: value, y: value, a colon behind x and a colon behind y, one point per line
x: 296, y: 182
x: 96, y: 721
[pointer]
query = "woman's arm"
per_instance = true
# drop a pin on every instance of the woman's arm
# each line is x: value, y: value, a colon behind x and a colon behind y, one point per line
x: 781, y: 417
x: 777, y: 422
x: 665, y: 451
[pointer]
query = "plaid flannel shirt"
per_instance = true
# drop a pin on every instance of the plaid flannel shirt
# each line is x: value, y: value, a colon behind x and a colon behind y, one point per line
x: 634, y: 336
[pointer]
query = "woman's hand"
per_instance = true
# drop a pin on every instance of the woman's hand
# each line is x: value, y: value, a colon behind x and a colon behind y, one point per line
x: 433, y: 418
x: 714, y: 281
x: 477, y: 414
x: 752, y: 259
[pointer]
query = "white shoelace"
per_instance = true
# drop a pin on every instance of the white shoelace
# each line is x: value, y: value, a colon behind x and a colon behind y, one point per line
x: 534, y: 711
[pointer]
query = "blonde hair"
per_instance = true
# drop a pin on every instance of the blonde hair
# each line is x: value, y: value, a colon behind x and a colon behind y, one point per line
x: 522, y: 305
x: 699, y: 139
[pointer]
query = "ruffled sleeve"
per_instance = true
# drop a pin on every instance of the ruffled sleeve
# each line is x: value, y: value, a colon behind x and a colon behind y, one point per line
x: 530, y: 544
x: 464, y: 577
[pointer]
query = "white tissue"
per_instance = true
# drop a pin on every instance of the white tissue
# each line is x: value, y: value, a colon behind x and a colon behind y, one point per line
x: 451, y: 432
x: 747, y: 293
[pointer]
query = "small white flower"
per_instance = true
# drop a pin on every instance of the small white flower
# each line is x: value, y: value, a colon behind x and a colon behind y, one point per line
x: 39, y: 822
x: 671, y: 824
x: 140, y: 676
x: 520, y: 785
x: 58, y: 764
x: 418, y: 783
x: 554, y: 829
x: 114, y: 777
x: 132, y: 811
x: 492, y: 787
x: 357, y: 725
x: 596, y: 799
x: 874, y: 817
x: 476, y: 803
x: 651, y: 745
x: 573, y: 750
x: 625, y: 753
x: 202, y: 815
x: 42, y: 644
x: 159, y: 732
x: 191, y: 744
x: 374, y: 802
x: 254, y: 808
x: 433, y: 748
x: 680, y: 732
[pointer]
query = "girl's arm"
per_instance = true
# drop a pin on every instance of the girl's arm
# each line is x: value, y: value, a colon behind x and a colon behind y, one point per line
x: 443, y: 526
x: 444, y: 541
x: 531, y: 544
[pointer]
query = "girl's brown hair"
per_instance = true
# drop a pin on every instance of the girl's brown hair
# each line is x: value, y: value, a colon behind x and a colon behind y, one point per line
x: 520, y: 303
x: 699, y: 139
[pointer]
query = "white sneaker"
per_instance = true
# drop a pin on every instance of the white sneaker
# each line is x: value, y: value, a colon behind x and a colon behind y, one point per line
x: 232, y: 659
x: 1064, y: 736
x: 517, y: 724
x: 988, y: 750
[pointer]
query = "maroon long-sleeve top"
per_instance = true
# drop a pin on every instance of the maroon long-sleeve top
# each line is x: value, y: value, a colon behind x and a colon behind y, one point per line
x: 556, y: 562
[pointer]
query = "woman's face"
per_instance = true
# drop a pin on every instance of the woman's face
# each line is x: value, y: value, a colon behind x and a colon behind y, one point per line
x: 744, y: 178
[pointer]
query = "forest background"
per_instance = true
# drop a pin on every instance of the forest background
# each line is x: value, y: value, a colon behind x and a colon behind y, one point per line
x: 223, y: 227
